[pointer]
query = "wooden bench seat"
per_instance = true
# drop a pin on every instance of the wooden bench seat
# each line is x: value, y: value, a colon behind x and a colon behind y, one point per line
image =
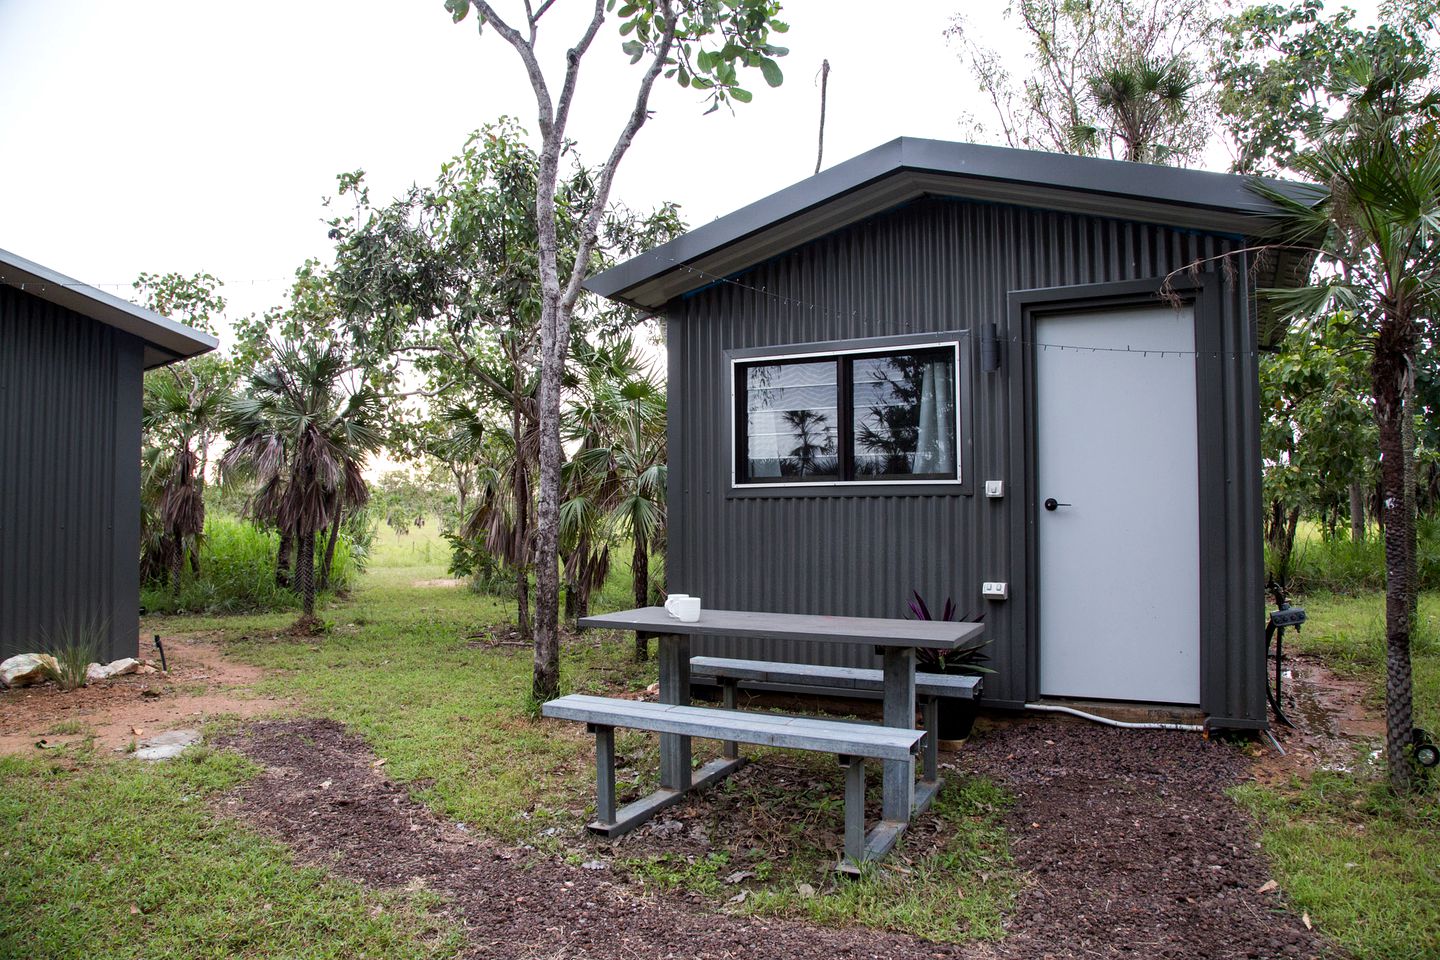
x: 852, y: 742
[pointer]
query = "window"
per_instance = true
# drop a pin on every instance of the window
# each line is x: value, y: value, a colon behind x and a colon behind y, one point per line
x: 853, y: 417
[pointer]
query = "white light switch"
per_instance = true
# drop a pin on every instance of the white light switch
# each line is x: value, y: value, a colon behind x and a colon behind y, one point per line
x: 994, y: 488
x: 995, y: 590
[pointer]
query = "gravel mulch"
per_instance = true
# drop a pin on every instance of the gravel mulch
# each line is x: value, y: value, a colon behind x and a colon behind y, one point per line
x: 1130, y: 847
x: 1133, y: 849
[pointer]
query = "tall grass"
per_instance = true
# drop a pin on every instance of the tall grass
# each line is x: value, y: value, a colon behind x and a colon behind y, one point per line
x: 74, y: 646
x: 237, y: 573
x: 1338, y: 565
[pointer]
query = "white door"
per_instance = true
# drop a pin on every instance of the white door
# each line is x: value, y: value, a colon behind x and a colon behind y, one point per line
x: 1119, y: 553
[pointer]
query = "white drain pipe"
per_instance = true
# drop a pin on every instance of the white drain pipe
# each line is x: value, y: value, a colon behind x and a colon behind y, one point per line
x: 1056, y: 708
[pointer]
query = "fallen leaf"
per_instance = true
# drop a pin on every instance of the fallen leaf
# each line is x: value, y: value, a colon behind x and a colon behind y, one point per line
x: 325, y: 784
x: 134, y: 909
x: 805, y: 890
x: 739, y: 897
x: 1305, y: 919
x: 1267, y: 886
x: 137, y: 731
x: 739, y: 875
x: 379, y: 763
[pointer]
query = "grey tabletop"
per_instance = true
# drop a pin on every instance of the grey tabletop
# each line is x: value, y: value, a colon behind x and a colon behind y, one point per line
x: 876, y: 631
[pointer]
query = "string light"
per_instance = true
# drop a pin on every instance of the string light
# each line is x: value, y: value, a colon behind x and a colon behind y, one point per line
x: 869, y: 323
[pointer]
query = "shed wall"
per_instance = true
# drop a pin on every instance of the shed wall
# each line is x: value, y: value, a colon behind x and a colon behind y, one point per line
x: 70, y: 393
x: 932, y: 266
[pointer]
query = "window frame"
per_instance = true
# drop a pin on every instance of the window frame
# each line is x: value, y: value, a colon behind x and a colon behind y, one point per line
x: 844, y: 353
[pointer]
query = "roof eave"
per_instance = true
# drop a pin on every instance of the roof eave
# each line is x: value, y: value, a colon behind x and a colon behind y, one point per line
x: 166, y: 341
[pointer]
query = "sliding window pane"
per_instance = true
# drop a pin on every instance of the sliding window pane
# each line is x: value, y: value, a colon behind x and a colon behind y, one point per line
x: 792, y: 423
x: 904, y: 416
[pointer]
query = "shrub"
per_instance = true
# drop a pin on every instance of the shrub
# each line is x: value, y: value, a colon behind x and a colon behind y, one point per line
x: 237, y: 572
x: 75, y: 645
x: 1339, y: 565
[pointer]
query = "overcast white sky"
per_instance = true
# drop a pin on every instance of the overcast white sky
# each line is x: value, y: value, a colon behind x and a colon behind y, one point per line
x: 159, y: 135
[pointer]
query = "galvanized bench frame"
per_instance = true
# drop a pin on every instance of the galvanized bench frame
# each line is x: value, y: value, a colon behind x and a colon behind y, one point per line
x: 929, y: 688
x: 852, y: 743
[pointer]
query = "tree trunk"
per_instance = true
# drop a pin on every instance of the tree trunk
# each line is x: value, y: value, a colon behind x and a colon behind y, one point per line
x: 1357, y: 512
x: 305, y: 572
x: 522, y: 604
x: 546, y: 680
x: 640, y: 580
x: 330, y: 552
x: 1390, y: 373
x: 282, y: 559
x: 177, y: 566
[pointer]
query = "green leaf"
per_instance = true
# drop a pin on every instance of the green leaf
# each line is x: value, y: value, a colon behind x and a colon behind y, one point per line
x: 772, y: 72
x: 458, y: 9
x: 635, y: 49
x: 629, y: 10
x: 744, y: 96
x: 627, y: 28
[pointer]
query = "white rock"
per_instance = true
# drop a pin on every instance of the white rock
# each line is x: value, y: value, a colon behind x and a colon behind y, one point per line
x: 116, y: 668
x: 24, y: 669
x: 166, y: 745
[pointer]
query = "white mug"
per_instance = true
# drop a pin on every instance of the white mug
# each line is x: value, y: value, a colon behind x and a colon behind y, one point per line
x: 670, y: 603
x: 687, y: 609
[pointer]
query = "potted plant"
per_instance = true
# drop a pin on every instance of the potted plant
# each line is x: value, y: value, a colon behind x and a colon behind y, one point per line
x: 956, y: 717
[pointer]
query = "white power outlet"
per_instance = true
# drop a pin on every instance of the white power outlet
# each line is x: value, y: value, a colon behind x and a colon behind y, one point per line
x: 995, y: 488
x: 995, y: 590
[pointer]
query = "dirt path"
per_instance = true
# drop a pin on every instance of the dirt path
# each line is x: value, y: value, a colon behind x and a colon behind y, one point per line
x: 1130, y: 848
x: 202, y: 684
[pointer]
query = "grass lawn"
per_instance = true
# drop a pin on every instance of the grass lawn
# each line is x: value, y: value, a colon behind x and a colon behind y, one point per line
x: 108, y: 858
x: 406, y: 665
x: 1363, y: 865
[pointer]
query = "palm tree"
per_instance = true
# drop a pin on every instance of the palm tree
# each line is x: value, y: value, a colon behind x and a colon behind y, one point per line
x: 1141, y: 98
x: 182, y: 406
x: 1377, y: 231
x: 303, y: 437
x: 619, y: 470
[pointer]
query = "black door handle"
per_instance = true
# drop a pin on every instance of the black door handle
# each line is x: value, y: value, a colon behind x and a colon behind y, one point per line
x: 1051, y: 503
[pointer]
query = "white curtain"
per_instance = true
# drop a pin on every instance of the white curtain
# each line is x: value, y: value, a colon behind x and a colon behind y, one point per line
x: 934, y: 446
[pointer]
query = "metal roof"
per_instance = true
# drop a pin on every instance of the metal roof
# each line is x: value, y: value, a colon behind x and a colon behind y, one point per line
x: 907, y: 168
x: 165, y: 340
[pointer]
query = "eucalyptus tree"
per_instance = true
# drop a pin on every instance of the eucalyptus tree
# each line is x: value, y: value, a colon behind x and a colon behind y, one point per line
x: 1376, y: 227
x: 450, y: 277
x: 302, y: 433
x: 702, y: 45
x: 1317, y: 433
x: 1121, y: 79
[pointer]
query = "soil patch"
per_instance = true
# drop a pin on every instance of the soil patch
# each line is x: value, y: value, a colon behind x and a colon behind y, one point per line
x: 1332, y: 723
x: 201, y: 684
x: 1129, y: 845
x: 323, y: 796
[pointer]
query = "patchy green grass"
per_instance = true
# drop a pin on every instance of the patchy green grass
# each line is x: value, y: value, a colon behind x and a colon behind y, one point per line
x: 951, y: 883
x: 111, y: 858
x: 1363, y: 864
x: 413, y: 668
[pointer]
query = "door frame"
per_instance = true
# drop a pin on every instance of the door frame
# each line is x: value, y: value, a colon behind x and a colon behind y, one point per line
x: 1201, y: 292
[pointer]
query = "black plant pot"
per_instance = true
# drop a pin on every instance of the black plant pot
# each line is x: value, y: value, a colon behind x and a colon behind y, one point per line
x: 956, y: 718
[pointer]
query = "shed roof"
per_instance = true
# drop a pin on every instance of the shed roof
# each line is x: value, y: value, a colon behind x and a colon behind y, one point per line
x: 907, y: 168
x: 165, y: 340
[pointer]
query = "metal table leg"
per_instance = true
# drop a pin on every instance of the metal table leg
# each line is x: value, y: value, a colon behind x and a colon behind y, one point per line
x: 674, y: 688
x: 899, y: 792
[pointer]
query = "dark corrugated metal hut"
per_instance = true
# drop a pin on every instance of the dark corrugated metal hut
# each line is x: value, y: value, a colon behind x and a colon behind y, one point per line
x: 1025, y: 381
x: 71, y: 363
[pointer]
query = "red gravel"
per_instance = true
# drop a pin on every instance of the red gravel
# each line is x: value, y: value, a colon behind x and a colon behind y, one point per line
x: 1130, y: 846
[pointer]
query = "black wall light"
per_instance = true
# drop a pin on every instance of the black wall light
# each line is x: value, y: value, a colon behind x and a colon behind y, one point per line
x: 989, y: 348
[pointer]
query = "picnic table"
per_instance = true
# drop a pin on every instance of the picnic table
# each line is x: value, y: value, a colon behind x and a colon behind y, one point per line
x: 895, y: 640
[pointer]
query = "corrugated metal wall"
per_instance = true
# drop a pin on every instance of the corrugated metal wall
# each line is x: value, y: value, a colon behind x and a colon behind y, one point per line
x: 69, y: 476
x: 934, y: 265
